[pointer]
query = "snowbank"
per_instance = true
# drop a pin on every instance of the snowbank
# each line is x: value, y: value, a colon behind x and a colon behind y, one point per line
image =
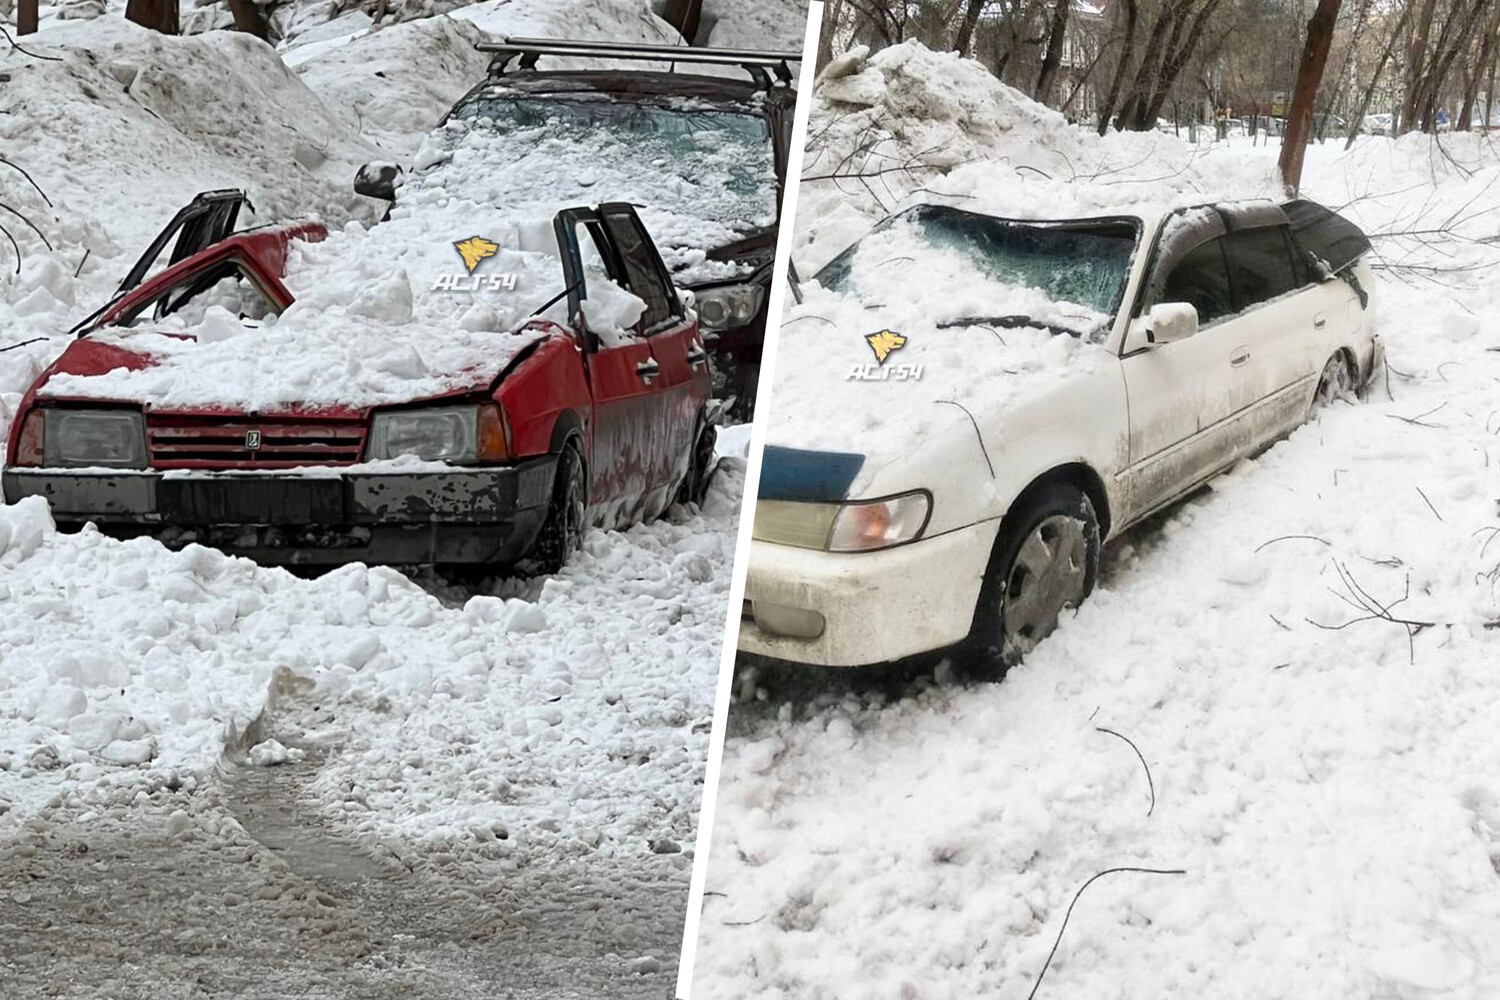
x: 931, y: 126
x: 572, y: 721
x: 1328, y: 789
x: 121, y: 133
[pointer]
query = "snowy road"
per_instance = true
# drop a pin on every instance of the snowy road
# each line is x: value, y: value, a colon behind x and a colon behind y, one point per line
x: 139, y: 909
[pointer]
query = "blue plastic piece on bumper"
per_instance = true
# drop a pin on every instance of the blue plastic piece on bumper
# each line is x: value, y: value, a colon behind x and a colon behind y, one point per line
x: 799, y: 474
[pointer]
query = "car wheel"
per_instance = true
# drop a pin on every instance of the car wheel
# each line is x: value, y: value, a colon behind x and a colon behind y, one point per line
x: 1045, y: 562
x: 701, y: 466
x: 1337, y: 381
x: 562, y: 532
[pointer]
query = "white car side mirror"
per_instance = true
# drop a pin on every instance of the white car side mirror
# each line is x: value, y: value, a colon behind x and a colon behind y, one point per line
x: 1169, y: 322
x: 1165, y: 323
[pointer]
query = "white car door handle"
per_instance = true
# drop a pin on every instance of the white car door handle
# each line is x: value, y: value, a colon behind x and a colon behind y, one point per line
x: 1239, y: 357
x: 1319, y: 321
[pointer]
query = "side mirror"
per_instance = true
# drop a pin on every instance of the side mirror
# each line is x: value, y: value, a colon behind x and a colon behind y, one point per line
x: 1165, y: 323
x: 1171, y: 321
x: 378, y: 180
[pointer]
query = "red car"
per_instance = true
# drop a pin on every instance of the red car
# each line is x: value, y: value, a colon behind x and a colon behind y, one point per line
x: 567, y: 433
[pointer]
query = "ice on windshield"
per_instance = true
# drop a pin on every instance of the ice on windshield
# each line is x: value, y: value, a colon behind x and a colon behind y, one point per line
x: 704, y: 177
x: 960, y: 265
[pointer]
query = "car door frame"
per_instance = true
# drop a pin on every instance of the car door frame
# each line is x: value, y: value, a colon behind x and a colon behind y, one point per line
x: 1172, y: 468
x: 627, y: 461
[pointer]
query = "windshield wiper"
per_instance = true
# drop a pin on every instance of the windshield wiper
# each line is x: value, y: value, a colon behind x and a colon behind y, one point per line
x: 1008, y: 323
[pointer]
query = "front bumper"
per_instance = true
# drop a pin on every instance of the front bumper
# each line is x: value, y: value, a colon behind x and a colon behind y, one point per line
x: 875, y: 606
x: 474, y: 516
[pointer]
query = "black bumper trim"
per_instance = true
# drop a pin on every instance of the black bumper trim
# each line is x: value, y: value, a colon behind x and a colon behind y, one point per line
x: 465, y: 515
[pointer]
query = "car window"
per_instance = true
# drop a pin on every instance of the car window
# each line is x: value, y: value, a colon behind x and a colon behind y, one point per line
x: 643, y: 275
x: 1201, y: 279
x: 1261, y: 265
x: 227, y: 285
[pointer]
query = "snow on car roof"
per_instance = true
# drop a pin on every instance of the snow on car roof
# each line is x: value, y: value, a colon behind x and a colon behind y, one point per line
x: 375, y: 320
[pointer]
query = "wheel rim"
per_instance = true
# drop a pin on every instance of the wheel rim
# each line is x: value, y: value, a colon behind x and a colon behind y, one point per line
x: 573, y: 508
x: 1047, y: 576
x: 1335, y: 383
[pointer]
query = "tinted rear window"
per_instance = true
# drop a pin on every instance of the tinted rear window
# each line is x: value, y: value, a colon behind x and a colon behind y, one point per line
x: 1325, y: 233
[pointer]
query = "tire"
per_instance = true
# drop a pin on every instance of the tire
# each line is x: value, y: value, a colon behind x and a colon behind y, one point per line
x: 1337, y: 382
x: 562, y: 532
x: 701, y: 465
x: 1048, y: 551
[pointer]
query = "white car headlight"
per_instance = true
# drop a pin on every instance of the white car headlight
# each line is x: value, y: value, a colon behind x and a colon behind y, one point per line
x: 730, y: 306
x: 114, y: 439
x: 857, y: 526
x: 879, y: 524
x: 436, y: 435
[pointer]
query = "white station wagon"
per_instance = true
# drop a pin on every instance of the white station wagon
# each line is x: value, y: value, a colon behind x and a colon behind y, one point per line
x: 966, y: 406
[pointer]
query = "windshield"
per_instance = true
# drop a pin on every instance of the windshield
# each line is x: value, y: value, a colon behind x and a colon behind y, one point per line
x: 689, y: 159
x: 970, y: 266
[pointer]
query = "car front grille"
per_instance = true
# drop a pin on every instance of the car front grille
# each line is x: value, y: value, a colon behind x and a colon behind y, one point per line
x: 208, y: 443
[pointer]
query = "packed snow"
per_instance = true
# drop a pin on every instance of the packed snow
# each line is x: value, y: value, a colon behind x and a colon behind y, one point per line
x: 1302, y: 655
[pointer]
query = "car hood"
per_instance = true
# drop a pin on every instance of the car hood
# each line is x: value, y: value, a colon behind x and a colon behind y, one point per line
x: 167, y: 373
x: 868, y: 399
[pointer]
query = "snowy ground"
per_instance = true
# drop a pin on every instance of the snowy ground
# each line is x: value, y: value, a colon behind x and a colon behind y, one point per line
x: 1327, y: 791
x: 223, y: 780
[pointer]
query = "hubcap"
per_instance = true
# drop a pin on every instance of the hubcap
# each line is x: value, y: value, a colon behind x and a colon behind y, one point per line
x: 1046, y: 577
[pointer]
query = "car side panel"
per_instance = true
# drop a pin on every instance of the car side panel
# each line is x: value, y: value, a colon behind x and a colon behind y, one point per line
x: 1185, y: 398
x: 540, y: 390
x: 629, y: 415
x: 685, y: 386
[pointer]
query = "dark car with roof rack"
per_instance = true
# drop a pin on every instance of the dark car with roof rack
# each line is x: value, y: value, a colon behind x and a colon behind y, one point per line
x: 702, y: 156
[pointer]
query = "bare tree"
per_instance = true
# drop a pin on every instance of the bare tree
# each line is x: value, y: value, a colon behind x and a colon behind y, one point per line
x: 1057, y: 34
x: 1309, y: 76
x: 1112, y: 98
x: 158, y: 15
x: 1357, y: 119
x: 26, y: 17
x: 684, y: 16
x: 966, y: 27
x: 249, y: 18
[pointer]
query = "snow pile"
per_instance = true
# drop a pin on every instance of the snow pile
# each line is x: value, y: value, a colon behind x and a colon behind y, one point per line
x: 121, y: 133
x: 373, y: 322
x: 702, y: 178
x: 774, y: 25
x: 575, y: 722
x: 1324, y: 778
x: 930, y: 126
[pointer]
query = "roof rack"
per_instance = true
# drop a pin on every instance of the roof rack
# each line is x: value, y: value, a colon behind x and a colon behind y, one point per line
x: 753, y: 61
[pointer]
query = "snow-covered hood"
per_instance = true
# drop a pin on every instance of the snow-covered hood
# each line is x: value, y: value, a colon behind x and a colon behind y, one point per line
x: 274, y: 372
x: 836, y: 396
x: 383, y: 316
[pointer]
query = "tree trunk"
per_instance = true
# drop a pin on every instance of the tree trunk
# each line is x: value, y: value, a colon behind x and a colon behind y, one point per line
x: 158, y: 15
x: 26, y: 16
x: 966, y: 27
x: 684, y: 15
x: 1107, y: 106
x: 832, y: 14
x: 1133, y: 110
x: 1309, y: 75
x: 1385, y: 57
x: 1052, y: 59
x: 1416, y: 60
x: 1175, y: 61
x: 249, y: 18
